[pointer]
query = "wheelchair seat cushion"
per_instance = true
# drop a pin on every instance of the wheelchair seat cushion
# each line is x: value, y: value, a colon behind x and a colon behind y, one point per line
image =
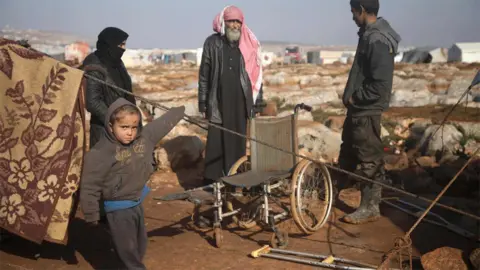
x: 253, y: 178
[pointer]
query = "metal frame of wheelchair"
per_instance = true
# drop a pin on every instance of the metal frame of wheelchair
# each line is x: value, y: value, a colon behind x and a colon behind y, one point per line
x: 267, y: 177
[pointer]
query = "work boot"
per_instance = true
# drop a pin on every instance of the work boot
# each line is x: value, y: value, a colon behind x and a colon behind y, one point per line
x: 369, y: 209
x: 475, y: 259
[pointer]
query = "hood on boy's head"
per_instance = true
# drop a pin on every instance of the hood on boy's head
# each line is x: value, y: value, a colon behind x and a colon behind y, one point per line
x: 382, y: 26
x: 115, y: 105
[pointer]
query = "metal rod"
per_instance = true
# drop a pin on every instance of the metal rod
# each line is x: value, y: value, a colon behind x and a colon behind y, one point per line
x: 231, y: 213
x: 319, y: 256
x: 265, y: 203
x: 274, y: 186
x: 315, y: 263
x: 447, y: 225
x: 184, y: 192
x: 280, y: 216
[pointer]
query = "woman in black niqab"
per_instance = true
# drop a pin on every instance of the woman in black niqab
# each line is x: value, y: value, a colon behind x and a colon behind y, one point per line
x: 110, y: 49
x: 105, y: 64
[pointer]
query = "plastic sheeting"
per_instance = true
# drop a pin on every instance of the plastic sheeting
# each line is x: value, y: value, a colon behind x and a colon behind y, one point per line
x: 417, y: 57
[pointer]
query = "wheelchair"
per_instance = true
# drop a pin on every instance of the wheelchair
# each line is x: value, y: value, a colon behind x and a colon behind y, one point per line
x: 269, y: 186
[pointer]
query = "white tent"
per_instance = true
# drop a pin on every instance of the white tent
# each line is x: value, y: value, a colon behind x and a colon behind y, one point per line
x: 467, y: 52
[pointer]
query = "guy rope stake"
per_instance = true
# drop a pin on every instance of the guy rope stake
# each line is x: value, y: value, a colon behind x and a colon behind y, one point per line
x: 405, y: 242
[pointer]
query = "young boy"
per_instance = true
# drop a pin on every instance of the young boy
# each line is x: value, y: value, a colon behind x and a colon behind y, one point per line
x: 116, y: 170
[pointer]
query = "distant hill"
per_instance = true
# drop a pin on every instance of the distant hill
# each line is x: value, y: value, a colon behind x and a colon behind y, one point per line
x: 43, y: 37
x: 275, y: 43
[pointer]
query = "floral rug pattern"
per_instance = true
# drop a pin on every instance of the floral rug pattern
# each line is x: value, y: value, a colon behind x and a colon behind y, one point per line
x: 42, y: 143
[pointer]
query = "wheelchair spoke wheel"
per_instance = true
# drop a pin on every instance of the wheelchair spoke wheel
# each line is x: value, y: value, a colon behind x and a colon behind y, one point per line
x: 241, y: 165
x: 311, y: 197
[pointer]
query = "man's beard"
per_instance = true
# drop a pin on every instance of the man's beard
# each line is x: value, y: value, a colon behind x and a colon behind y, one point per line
x: 232, y: 34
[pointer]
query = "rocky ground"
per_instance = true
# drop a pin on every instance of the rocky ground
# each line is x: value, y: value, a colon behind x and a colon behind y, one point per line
x: 419, y: 159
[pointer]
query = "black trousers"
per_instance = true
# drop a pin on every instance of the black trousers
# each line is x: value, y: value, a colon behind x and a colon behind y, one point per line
x: 224, y: 149
x: 361, y: 151
x: 129, y: 236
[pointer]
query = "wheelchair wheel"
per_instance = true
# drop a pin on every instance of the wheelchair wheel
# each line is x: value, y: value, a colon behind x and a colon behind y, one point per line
x: 312, y: 196
x: 242, y: 165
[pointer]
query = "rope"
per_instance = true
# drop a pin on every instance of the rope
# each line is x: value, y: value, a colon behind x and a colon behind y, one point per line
x: 193, y: 121
x: 405, y: 242
x: 359, y: 177
x: 401, y: 244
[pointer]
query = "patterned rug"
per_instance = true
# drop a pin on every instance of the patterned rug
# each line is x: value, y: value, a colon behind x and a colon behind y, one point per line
x: 41, y: 143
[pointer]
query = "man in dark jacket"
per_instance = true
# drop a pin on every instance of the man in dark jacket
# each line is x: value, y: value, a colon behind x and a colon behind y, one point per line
x: 105, y: 64
x: 230, y: 87
x: 367, y: 95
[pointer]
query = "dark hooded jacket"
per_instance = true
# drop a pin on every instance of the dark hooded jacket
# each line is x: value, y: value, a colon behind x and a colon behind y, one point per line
x: 371, y: 77
x: 113, y: 171
x: 105, y: 64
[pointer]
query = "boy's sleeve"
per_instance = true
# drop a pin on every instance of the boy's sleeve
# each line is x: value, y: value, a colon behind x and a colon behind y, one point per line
x: 160, y: 127
x: 94, y: 171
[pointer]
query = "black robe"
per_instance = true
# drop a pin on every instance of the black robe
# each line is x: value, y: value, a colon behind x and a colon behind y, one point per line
x: 224, y: 149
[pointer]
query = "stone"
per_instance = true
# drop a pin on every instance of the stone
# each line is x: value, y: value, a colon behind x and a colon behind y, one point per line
x: 302, y: 115
x: 396, y: 162
x: 310, y: 96
x: 444, y: 258
x: 470, y: 147
x: 426, y: 162
x: 446, y: 139
x: 319, y: 140
x: 440, y: 86
x: 384, y: 132
x: 409, y: 84
x: 179, y: 153
x: 459, y: 86
x: 335, y: 122
x: 412, y: 98
x: 475, y: 258
x: 270, y: 109
x: 350, y: 197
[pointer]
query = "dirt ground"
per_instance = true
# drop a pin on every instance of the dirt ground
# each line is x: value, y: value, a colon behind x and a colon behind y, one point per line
x: 174, y: 243
x: 436, y: 113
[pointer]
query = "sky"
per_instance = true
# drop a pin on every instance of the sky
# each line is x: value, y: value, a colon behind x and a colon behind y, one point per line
x: 186, y: 23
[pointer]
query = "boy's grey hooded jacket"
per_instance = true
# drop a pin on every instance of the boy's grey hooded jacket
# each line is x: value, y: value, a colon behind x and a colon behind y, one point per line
x: 370, y: 80
x: 113, y: 171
